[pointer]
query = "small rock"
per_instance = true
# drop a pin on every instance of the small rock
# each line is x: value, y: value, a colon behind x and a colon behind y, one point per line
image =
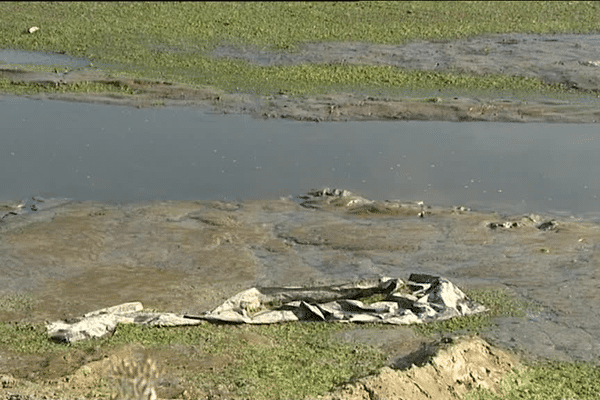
x: 33, y: 29
x: 506, y: 225
x: 7, y: 381
x: 591, y: 63
x: 547, y: 226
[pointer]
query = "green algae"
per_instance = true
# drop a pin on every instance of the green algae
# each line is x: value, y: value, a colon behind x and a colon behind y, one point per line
x: 11, y: 87
x: 128, y: 31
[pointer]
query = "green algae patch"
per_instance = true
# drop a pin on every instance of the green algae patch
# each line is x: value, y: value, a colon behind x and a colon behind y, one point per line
x: 17, y: 302
x: 174, y: 41
x: 19, y: 87
x: 128, y: 32
x: 312, y: 79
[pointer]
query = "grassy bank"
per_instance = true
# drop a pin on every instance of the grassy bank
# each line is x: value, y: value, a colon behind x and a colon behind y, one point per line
x: 173, y: 41
x: 288, y: 361
x: 548, y: 381
x: 291, y: 361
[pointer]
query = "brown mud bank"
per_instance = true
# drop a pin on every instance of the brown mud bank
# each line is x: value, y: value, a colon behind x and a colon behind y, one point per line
x: 333, y: 107
x: 567, y: 60
x: 188, y: 257
x: 70, y: 258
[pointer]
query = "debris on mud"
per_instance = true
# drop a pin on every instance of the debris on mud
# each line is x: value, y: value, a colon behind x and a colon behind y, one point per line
x: 422, y: 299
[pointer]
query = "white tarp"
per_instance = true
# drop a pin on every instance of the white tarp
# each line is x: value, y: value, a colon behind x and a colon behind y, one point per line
x: 421, y: 299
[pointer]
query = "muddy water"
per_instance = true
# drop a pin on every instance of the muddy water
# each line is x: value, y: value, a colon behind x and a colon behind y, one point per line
x: 122, y: 155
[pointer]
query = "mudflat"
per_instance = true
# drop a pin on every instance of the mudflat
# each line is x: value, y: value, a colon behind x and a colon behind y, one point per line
x: 188, y: 257
x: 66, y: 259
x: 568, y: 61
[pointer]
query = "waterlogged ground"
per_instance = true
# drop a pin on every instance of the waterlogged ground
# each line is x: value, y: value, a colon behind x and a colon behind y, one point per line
x: 66, y: 259
x: 507, y: 78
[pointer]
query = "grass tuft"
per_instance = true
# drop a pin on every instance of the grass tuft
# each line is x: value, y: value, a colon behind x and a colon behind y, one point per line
x: 135, y: 379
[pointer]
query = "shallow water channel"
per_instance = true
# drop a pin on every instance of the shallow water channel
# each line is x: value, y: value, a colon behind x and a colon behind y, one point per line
x: 121, y: 155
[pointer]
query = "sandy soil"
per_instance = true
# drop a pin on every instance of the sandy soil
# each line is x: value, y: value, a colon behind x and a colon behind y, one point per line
x: 455, y: 370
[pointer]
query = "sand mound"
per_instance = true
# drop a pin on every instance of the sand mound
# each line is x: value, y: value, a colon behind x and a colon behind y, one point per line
x: 461, y: 367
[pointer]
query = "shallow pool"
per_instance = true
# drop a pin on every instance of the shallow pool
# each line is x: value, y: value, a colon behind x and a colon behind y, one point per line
x: 34, y: 57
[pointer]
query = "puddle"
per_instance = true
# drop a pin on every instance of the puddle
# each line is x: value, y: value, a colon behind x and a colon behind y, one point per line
x: 122, y: 155
x: 31, y: 57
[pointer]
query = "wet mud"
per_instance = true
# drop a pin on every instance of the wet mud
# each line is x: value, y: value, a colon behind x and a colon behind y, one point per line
x: 568, y: 60
x: 188, y: 257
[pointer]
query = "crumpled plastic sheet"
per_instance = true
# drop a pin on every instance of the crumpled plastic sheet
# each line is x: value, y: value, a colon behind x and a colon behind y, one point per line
x: 101, y: 322
x: 424, y: 298
x: 421, y: 299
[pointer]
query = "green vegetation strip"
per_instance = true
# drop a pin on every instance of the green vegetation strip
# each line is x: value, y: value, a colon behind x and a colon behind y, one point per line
x: 291, y: 361
x: 315, y: 79
x: 295, y: 360
x: 27, y: 339
x: 173, y: 41
x: 6, y: 86
x: 125, y: 31
x: 548, y: 381
x: 298, y: 360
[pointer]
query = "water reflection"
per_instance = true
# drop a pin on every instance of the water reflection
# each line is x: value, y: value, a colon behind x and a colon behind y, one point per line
x: 116, y: 154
